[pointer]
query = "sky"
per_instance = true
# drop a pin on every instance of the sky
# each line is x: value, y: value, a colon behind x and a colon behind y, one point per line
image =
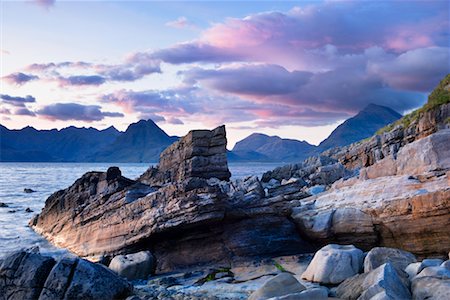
x: 295, y: 69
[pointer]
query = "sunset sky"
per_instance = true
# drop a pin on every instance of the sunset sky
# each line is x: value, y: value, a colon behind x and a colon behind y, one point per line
x: 294, y: 69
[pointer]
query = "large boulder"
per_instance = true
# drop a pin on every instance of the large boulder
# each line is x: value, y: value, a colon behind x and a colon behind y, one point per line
x: 334, y: 263
x: 74, y: 278
x: 430, y: 288
x: 382, y: 283
x: 23, y: 275
x: 381, y: 255
x: 282, y: 284
x: 133, y: 266
x: 26, y: 275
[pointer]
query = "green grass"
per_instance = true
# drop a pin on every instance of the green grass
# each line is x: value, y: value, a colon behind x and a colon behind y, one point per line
x: 280, y: 267
x: 440, y: 95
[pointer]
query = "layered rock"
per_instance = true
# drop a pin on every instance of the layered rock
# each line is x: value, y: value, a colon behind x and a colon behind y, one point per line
x: 403, y: 211
x: 388, y: 144
x: 186, y: 205
x: 201, y: 153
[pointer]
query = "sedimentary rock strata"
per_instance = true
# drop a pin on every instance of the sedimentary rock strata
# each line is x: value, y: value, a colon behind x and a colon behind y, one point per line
x: 405, y: 211
x: 201, y: 153
x: 186, y: 221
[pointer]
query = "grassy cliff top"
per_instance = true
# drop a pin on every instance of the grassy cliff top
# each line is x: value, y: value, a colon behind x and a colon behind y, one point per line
x: 440, y: 95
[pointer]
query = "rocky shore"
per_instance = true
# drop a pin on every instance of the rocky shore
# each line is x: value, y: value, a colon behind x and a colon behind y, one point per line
x: 368, y: 221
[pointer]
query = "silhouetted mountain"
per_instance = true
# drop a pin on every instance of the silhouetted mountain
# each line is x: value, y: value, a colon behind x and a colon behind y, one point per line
x: 361, y: 126
x: 141, y: 142
x: 69, y: 144
x: 261, y: 147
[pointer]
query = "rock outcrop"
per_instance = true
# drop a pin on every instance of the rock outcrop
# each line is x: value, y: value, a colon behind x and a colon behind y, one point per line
x: 391, y: 211
x: 201, y: 154
x: 31, y: 276
x: 172, y: 210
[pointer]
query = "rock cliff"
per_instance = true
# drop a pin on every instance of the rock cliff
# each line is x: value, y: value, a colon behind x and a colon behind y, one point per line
x: 172, y: 210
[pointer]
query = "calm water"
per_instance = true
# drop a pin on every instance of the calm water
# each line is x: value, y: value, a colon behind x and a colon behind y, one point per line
x: 47, y: 178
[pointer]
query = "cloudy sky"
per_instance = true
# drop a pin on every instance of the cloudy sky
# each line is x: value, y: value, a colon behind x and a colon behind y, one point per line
x: 294, y: 69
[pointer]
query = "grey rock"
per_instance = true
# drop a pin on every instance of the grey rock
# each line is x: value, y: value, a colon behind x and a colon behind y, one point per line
x: 23, y: 274
x: 446, y: 264
x: 430, y: 288
x: 412, y: 269
x: 280, y: 285
x: 74, y: 278
x: 381, y: 255
x: 334, y: 263
x: 382, y: 283
x: 429, y: 262
x: 308, y: 294
x: 133, y: 266
x: 438, y: 272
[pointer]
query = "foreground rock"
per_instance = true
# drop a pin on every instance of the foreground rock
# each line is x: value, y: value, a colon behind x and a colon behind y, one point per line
x: 280, y: 285
x: 430, y: 288
x: 380, y: 255
x: 390, y: 211
x: 334, y: 263
x: 25, y: 275
x: 133, y: 266
x: 382, y: 283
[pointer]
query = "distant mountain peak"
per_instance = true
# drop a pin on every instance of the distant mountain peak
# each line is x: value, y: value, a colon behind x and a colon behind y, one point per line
x: 361, y: 126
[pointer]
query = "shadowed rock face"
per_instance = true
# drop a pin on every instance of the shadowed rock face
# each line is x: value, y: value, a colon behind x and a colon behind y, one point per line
x: 180, y: 211
x: 31, y: 276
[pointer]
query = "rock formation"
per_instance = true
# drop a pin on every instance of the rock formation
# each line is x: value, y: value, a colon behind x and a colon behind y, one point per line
x: 172, y: 209
x: 200, y: 154
x: 31, y: 276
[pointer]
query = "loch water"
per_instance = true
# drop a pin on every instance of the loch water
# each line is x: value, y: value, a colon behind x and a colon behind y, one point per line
x: 47, y: 178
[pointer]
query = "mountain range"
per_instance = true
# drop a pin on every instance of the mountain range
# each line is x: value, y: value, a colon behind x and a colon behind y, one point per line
x: 143, y: 142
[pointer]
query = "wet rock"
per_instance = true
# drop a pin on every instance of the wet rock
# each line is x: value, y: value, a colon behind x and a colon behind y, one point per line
x: 382, y: 283
x: 28, y: 191
x: 28, y: 210
x: 133, y: 266
x: 3, y: 204
x: 23, y: 274
x: 380, y: 255
x: 282, y: 284
x: 334, y: 263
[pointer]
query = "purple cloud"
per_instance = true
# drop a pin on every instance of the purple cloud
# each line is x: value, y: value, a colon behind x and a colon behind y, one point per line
x: 17, y: 101
x: 75, y: 111
x: 261, y: 80
x: 24, y: 112
x: 196, y: 52
x: 82, y: 80
x: 19, y: 78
